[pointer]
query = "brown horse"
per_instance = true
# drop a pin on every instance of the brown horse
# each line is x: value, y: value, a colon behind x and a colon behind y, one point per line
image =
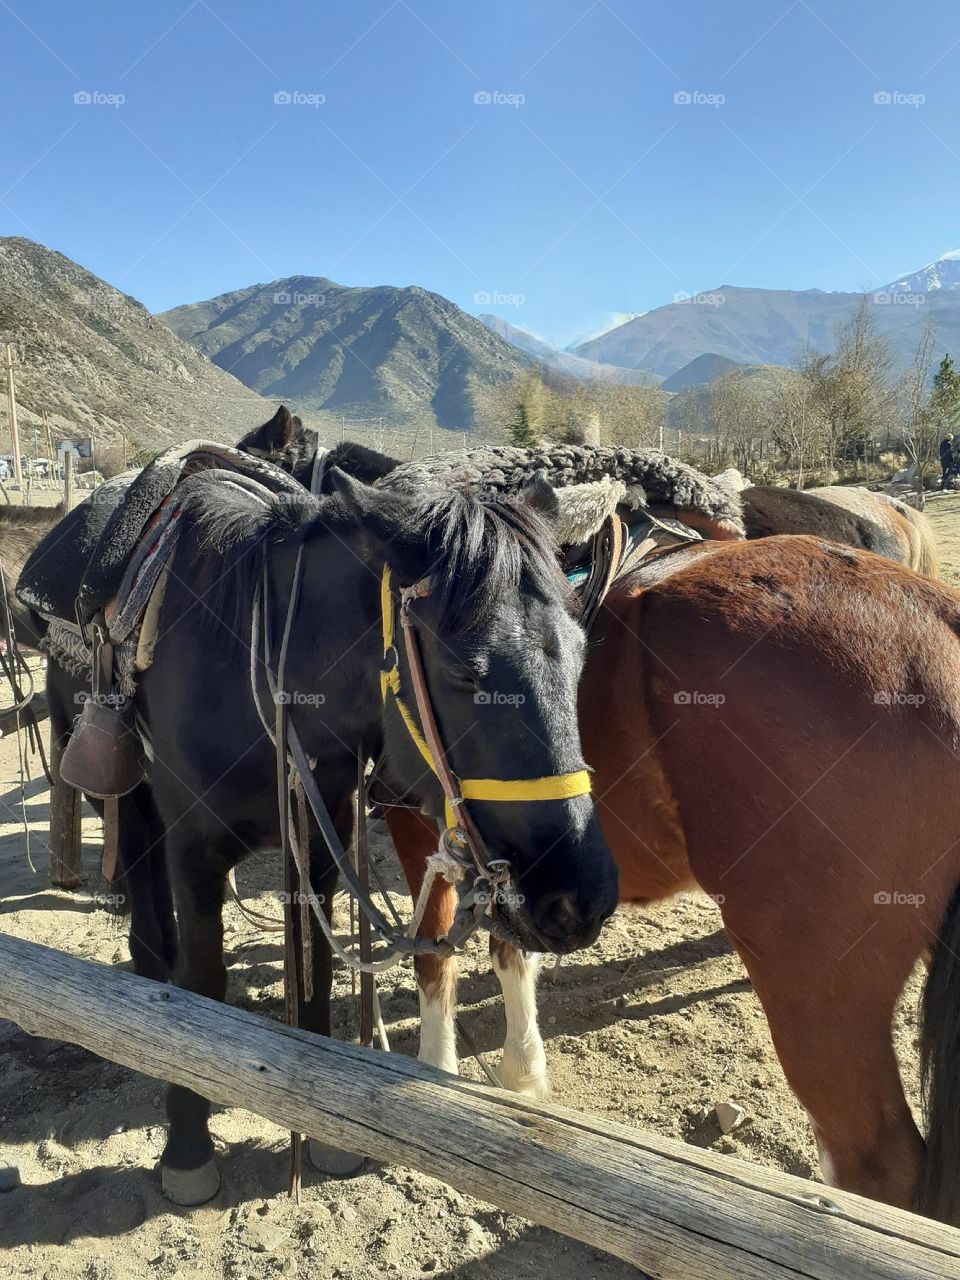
x: 909, y: 527
x: 778, y: 721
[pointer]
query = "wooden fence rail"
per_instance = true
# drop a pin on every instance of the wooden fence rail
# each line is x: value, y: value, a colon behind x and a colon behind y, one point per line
x: 675, y: 1211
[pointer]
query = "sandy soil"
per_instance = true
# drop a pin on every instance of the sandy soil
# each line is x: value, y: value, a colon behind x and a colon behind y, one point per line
x: 653, y: 1025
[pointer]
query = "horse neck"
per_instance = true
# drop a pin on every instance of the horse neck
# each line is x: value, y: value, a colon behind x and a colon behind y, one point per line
x: 334, y: 654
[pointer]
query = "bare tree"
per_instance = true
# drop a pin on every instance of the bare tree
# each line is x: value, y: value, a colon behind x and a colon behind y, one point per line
x: 921, y: 432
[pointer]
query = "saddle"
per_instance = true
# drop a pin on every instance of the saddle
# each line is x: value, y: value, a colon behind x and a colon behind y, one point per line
x: 101, y: 595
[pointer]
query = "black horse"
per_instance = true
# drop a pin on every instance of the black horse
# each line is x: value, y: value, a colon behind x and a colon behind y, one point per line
x: 288, y: 444
x: 502, y: 658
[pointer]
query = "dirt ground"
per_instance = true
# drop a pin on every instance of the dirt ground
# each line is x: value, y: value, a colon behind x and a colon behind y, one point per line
x: 653, y: 1025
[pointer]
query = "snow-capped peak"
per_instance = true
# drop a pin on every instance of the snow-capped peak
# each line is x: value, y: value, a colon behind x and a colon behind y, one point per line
x: 942, y: 274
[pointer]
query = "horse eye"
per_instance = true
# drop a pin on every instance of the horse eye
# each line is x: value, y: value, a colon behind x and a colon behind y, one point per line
x: 462, y: 677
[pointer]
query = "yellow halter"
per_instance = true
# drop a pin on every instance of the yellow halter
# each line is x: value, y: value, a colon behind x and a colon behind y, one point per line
x: 559, y: 786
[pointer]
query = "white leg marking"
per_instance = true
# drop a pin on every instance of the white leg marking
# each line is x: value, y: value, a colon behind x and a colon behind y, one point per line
x: 827, y: 1168
x: 438, y: 1043
x: 524, y: 1063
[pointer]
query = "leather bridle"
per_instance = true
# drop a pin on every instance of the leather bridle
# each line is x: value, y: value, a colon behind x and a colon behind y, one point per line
x: 461, y: 831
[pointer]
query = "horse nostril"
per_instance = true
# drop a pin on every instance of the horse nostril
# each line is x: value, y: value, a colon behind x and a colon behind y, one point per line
x: 559, y: 915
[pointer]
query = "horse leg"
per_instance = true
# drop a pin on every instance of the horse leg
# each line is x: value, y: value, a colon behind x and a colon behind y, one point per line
x: 834, y: 1041
x: 524, y: 1063
x: 142, y: 872
x: 415, y: 838
x: 189, y: 1174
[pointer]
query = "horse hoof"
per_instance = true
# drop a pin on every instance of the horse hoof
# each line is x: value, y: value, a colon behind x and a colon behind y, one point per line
x: 190, y: 1186
x: 334, y: 1162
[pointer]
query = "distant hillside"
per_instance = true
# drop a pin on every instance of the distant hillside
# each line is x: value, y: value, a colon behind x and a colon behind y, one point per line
x: 403, y: 354
x: 703, y: 369
x: 772, y: 326
x: 564, y: 361
x: 689, y: 408
x: 93, y: 359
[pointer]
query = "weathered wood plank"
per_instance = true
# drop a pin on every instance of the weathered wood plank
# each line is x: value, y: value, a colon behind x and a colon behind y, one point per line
x: 10, y: 721
x: 677, y: 1212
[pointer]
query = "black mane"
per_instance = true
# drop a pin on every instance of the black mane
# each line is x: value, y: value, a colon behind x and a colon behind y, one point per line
x: 481, y: 548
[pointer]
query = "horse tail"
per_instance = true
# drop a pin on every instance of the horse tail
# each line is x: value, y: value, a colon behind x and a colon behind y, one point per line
x: 938, y: 1195
x: 928, y: 561
x: 921, y: 544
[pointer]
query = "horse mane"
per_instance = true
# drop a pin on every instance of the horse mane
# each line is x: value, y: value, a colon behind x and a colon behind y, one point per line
x: 483, y: 546
x: 480, y: 548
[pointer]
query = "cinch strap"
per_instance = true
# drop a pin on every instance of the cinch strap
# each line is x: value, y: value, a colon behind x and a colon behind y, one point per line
x: 561, y: 786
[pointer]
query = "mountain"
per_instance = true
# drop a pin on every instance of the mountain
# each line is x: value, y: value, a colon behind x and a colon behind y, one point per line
x: 772, y: 326
x: 404, y: 354
x: 942, y: 274
x: 92, y: 359
x: 564, y: 361
x: 704, y: 369
x: 689, y: 407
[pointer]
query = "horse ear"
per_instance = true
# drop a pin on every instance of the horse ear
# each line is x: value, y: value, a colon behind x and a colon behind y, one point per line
x: 385, y: 518
x: 539, y: 494
x: 274, y: 436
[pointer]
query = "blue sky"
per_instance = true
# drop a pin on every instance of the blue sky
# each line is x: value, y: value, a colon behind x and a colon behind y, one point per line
x: 580, y: 191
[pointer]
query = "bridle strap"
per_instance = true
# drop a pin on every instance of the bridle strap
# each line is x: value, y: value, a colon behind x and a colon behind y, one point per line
x: 457, y: 813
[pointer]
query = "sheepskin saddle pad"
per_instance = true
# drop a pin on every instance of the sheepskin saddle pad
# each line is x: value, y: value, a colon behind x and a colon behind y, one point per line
x: 652, y: 480
x: 106, y: 553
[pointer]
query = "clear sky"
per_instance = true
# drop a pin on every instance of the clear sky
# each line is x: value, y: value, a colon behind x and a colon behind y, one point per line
x: 577, y: 189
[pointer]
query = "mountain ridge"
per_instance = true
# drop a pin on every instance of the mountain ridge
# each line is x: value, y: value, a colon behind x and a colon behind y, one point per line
x: 401, y: 352
x: 93, y: 360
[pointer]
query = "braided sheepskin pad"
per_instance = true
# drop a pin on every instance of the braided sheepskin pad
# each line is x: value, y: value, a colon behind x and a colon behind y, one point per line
x: 506, y: 468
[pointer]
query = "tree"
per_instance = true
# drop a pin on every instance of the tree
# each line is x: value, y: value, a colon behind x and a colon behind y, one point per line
x: 852, y: 386
x: 921, y: 434
x: 526, y: 427
x: 945, y: 398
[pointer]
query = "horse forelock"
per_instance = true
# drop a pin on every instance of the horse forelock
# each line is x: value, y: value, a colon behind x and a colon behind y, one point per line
x: 482, y: 550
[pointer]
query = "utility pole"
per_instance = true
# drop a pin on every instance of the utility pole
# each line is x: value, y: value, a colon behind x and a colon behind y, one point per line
x: 12, y: 399
x: 51, y: 456
x: 68, y: 479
